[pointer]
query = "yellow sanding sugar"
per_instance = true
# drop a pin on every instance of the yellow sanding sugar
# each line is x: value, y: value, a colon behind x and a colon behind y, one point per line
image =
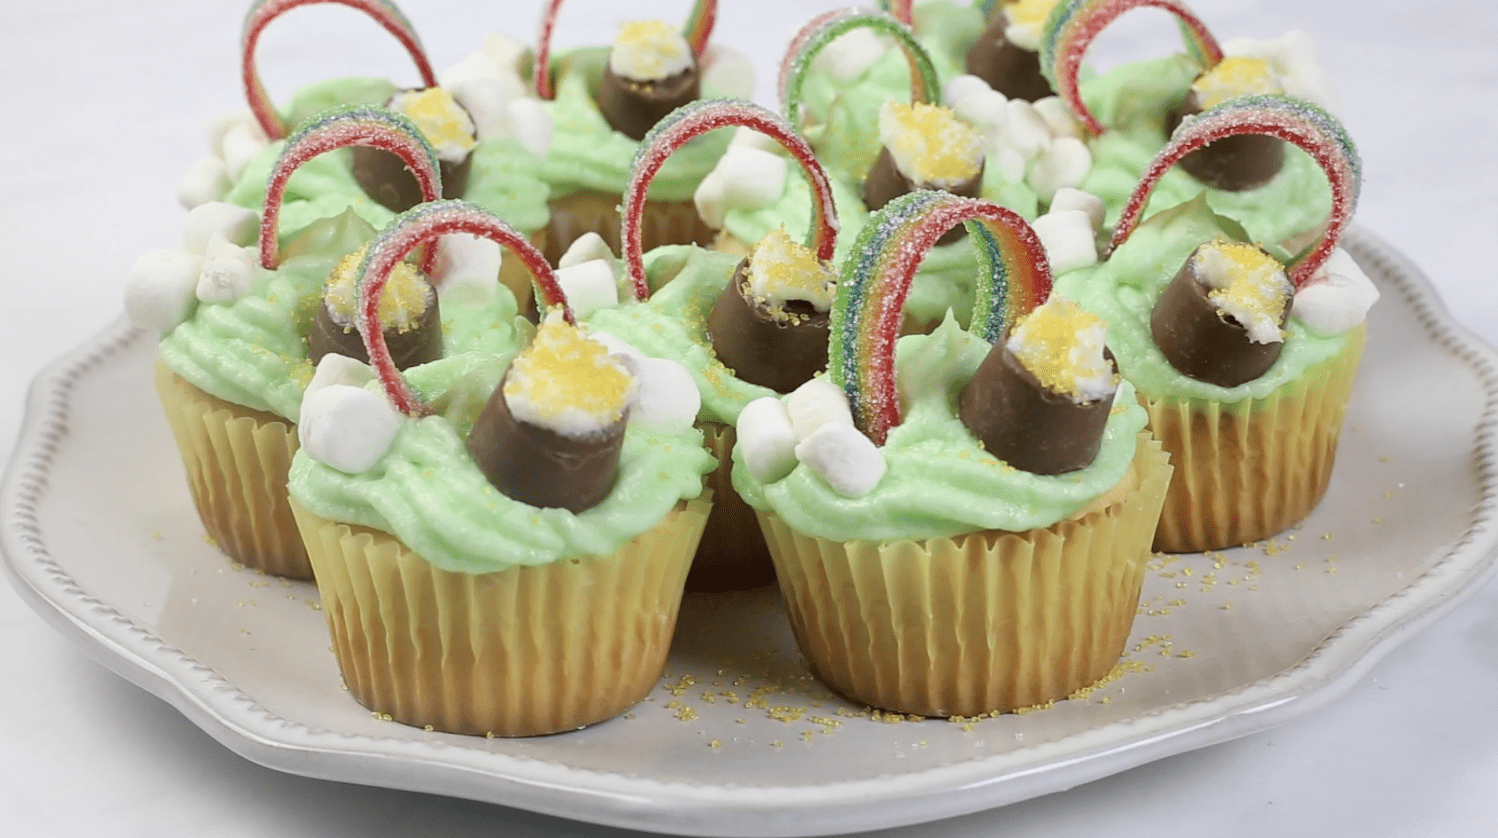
x: 402, y: 301
x: 1029, y: 12
x: 929, y: 144
x: 567, y: 382
x: 1247, y: 284
x: 1235, y: 75
x: 444, y: 123
x: 1061, y: 344
x: 649, y: 50
x: 781, y: 270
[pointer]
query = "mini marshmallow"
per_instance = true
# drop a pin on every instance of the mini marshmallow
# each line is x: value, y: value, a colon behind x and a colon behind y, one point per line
x: 487, y: 101
x: 586, y: 248
x: 817, y: 403
x: 977, y: 104
x: 159, y: 289
x: 1069, y: 198
x: 1059, y: 119
x: 744, y: 178
x: 1027, y: 132
x: 237, y: 224
x: 501, y: 56
x: 347, y: 428
x: 221, y: 126
x: 589, y: 286
x: 617, y: 346
x: 754, y: 139
x: 467, y: 269
x: 850, y: 55
x: 334, y: 369
x: 766, y: 439
x: 665, y: 395
x: 1337, y: 298
x: 1069, y: 238
x: 709, y: 200
x: 531, y: 125
x: 207, y: 179
x: 226, y: 272
x: 1292, y: 57
x: 1010, y: 163
x: 241, y: 145
x: 841, y: 455
x: 728, y: 72
x: 1065, y: 162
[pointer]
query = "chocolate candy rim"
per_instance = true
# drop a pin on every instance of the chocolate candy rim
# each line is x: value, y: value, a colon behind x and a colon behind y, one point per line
x: 823, y: 29
x: 698, y: 31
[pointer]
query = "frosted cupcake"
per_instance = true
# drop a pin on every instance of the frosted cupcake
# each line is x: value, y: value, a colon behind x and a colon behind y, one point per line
x: 235, y: 324
x: 532, y: 514
x: 996, y: 479
x: 1243, y: 354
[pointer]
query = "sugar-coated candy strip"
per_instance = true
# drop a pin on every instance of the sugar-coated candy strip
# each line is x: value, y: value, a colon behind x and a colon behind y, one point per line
x: 1297, y: 121
x: 693, y: 120
x: 697, y: 31
x: 1074, y: 24
x: 1014, y: 277
x: 901, y: 10
x: 419, y: 225
x: 351, y: 125
x: 822, y: 30
x: 262, y: 12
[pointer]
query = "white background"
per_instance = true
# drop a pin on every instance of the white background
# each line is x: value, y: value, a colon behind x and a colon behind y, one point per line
x: 106, y: 105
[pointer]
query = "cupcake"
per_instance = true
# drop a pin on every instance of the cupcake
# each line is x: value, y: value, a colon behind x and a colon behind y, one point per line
x: 603, y: 101
x: 235, y: 324
x: 960, y: 523
x: 500, y: 540
x: 1243, y: 354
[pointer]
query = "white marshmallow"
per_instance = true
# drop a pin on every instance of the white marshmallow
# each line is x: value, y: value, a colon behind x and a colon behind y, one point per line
x: 1065, y: 162
x: 977, y: 104
x: 338, y: 369
x: 709, y: 199
x: 754, y: 139
x: 1027, y: 132
x: 1058, y: 117
x: 159, y: 288
x: 531, y: 125
x: 589, y: 286
x: 1069, y: 239
x: 1010, y: 163
x: 221, y: 126
x: 487, y: 101
x: 617, y: 346
x: 467, y: 269
x: 849, y: 56
x: 1337, y: 298
x: 664, y: 397
x: 841, y: 455
x: 241, y: 145
x: 586, y: 248
x: 226, y: 271
x: 347, y: 428
x: 817, y: 403
x: 1292, y: 56
x: 728, y: 72
x: 501, y: 56
x: 207, y: 179
x: 766, y: 439
x: 744, y: 178
x: 237, y: 224
x: 1068, y: 198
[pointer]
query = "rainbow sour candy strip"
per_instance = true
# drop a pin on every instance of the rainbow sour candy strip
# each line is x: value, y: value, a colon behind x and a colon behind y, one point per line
x: 697, y: 31
x: 1014, y: 277
x: 262, y: 12
x: 1293, y: 120
x: 1074, y: 24
x: 693, y: 120
x: 411, y: 229
x: 901, y: 10
x: 351, y: 125
x: 824, y: 29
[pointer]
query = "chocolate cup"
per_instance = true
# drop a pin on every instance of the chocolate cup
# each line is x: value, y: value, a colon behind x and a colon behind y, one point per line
x: 1012, y: 70
x: 634, y: 107
x: 1202, y: 342
x: 762, y: 349
x: 540, y: 467
x: 1020, y: 421
x: 885, y: 182
x: 413, y: 346
x: 1232, y: 164
x: 384, y: 177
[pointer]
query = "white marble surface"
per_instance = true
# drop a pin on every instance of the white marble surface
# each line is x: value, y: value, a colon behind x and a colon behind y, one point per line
x: 107, y: 103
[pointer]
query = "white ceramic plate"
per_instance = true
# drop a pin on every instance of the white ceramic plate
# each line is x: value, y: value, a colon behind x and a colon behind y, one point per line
x: 101, y: 538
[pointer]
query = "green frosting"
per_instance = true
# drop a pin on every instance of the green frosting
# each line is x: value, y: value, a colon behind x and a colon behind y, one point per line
x: 587, y: 153
x: 673, y: 324
x: 253, y: 351
x: 1133, y: 102
x: 1123, y: 290
x: 428, y: 493
x: 939, y: 481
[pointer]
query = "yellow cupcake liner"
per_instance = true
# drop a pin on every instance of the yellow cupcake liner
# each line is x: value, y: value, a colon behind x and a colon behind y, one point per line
x: 237, y: 461
x: 520, y: 652
x: 592, y: 211
x: 733, y: 555
x: 1247, y: 471
x: 982, y: 623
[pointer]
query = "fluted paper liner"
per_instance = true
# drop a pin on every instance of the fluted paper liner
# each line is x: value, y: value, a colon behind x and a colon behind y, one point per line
x: 981, y: 623
x: 593, y: 211
x: 237, y: 459
x: 1246, y: 471
x: 732, y: 555
x: 518, y: 652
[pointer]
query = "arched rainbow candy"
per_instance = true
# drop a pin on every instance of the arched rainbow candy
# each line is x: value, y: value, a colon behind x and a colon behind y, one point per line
x: 262, y: 12
x: 1014, y: 278
x: 697, y: 31
x: 1293, y: 120
x: 351, y: 125
x: 697, y: 118
x: 901, y: 10
x: 1074, y: 24
x: 822, y: 30
x: 411, y: 229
